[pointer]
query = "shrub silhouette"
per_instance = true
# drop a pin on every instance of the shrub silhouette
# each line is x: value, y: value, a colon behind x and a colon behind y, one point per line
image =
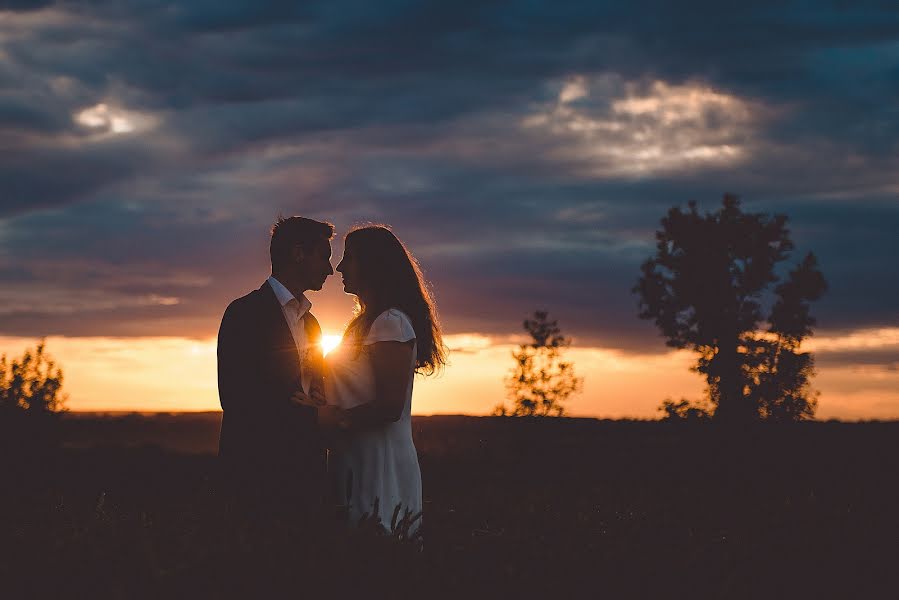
x: 541, y: 381
x: 32, y: 383
x: 684, y: 411
x: 30, y: 400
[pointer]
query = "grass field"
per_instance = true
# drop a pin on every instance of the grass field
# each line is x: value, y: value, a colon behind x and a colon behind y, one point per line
x: 514, y: 507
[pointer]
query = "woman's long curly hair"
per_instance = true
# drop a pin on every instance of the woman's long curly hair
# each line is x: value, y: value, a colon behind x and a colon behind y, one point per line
x: 392, y: 278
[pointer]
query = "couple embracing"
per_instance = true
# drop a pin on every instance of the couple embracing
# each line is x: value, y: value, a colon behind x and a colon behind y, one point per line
x: 299, y: 428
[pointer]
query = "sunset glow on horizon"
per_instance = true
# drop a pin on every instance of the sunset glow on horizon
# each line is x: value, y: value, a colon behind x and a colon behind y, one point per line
x: 179, y: 374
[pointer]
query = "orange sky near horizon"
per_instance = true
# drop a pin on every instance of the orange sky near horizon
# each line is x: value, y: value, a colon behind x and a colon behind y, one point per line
x: 179, y: 374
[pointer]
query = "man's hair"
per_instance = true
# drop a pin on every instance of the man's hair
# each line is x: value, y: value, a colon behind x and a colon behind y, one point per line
x: 292, y: 231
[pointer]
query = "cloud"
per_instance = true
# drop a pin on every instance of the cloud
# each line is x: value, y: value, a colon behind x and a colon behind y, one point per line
x: 111, y: 120
x: 25, y: 5
x: 621, y: 128
x: 525, y: 152
x: 873, y: 347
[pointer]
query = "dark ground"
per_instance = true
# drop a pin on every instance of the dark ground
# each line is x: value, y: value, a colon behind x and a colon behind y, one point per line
x: 536, y: 508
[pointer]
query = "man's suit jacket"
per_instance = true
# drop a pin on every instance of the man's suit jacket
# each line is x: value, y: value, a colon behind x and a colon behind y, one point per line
x: 266, y: 440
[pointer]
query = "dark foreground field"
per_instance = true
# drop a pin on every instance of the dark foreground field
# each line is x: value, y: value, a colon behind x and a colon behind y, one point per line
x: 535, y: 508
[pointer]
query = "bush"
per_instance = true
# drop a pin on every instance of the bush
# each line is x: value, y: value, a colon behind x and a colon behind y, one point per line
x: 31, y: 383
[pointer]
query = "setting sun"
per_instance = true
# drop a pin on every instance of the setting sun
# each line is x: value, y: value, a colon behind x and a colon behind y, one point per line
x: 329, y: 342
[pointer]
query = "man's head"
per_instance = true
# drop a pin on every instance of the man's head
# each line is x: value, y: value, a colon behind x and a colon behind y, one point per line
x: 301, y: 253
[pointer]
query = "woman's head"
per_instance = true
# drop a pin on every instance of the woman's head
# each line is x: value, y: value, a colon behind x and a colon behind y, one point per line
x: 383, y: 274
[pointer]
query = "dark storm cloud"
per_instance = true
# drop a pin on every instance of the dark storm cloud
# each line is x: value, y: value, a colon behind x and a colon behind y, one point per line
x: 148, y: 145
x: 24, y: 5
x: 38, y: 178
x: 856, y: 244
x: 27, y: 116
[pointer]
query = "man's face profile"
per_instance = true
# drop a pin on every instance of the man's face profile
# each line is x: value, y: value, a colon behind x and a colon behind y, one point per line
x: 317, y: 264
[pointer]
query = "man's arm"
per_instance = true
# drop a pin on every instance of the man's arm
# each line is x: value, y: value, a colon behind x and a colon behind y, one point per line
x: 235, y: 362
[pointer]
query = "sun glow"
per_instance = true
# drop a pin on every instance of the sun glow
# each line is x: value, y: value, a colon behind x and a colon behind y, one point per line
x: 329, y: 342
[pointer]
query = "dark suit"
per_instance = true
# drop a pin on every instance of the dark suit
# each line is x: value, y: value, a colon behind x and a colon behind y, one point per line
x: 268, y: 444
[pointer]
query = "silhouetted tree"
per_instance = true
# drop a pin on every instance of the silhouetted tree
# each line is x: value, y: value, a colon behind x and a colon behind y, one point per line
x: 703, y: 289
x: 32, y: 383
x: 541, y: 381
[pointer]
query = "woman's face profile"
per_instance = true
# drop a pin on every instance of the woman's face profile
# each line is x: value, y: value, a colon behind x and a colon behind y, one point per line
x: 349, y: 270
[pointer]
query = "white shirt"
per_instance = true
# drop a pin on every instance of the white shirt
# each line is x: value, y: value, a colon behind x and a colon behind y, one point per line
x: 350, y: 379
x: 294, y: 310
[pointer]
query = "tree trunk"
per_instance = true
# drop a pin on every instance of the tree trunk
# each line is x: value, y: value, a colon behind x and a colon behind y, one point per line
x: 733, y: 406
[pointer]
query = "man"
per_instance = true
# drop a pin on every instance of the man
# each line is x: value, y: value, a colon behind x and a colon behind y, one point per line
x: 269, y: 348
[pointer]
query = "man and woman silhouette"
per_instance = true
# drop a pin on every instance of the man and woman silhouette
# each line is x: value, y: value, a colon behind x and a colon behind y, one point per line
x: 298, y: 427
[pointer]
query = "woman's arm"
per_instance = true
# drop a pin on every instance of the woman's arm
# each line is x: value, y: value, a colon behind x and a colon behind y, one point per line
x: 391, y: 364
x: 329, y: 417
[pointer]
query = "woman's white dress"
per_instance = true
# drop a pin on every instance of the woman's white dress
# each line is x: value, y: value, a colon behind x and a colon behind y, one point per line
x: 374, y: 464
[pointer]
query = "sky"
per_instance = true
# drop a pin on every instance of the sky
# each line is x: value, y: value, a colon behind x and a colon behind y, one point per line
x: 524, y: 151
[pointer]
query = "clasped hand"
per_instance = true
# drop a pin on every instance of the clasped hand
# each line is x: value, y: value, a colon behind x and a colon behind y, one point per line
x: 328, y: 416
x: 315, y: 398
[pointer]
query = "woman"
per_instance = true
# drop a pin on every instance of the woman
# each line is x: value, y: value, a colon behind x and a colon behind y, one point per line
x: 394, y: 334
